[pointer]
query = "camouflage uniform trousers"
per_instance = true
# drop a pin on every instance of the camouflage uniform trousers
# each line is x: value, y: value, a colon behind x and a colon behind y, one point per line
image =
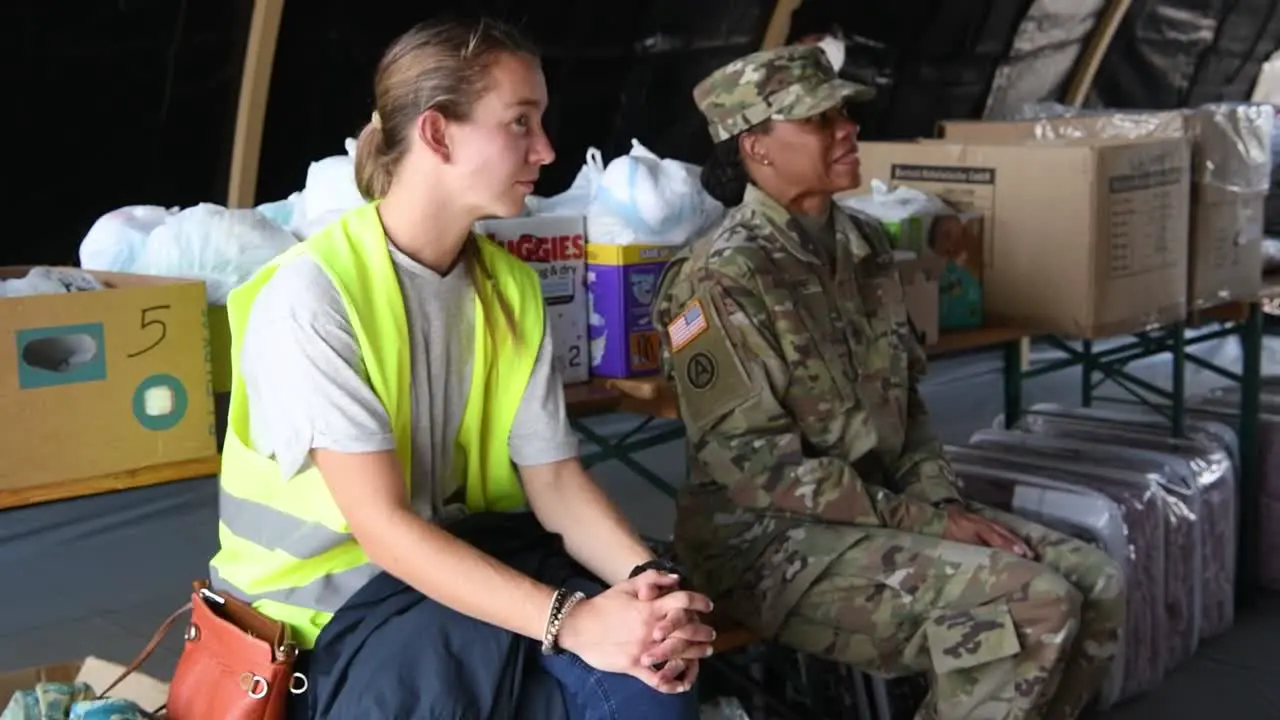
x: 1004, y: 638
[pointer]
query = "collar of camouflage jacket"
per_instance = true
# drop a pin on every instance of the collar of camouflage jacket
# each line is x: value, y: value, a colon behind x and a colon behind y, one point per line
x: 788, y: 229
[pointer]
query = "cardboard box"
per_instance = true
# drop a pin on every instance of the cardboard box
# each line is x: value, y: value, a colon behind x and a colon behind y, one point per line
x: 1081, y: 239
x: 144, y: 690
x: 104, y: 381
x: 957, y: 239
x: 1226, y: 248
x: 920, y: 276
x: 1227, y: 192
x: 555, y: 246
x: 621, y: 281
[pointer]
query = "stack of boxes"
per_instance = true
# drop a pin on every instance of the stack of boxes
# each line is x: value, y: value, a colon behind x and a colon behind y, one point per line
x: 1088, y: 226
x: 1100, y: 225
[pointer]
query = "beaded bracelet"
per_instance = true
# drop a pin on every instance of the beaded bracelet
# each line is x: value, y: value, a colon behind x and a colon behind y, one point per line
x: 561, y: 603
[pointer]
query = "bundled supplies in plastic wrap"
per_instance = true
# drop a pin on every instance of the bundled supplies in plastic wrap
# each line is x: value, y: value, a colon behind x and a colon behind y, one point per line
x: 1209, y: 450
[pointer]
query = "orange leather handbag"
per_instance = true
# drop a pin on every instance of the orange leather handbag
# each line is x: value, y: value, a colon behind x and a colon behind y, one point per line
x: 236, y: 663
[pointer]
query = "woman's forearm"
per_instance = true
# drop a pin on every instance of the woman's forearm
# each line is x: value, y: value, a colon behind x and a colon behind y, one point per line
x: 370, y: 492
x: 456, y: 574
x: 569, y: 503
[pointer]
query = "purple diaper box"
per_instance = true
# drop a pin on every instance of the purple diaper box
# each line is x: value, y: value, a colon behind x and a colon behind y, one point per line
x: 621, y: 282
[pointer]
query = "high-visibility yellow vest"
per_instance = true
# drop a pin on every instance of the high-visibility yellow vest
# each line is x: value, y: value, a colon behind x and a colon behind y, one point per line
x: 285, y: 545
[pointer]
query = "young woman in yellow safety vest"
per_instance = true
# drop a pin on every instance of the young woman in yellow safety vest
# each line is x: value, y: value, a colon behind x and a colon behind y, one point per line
x: 395, y: 415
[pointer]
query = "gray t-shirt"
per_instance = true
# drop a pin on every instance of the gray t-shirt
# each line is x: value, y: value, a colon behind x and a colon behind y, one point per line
x: 300, y: 362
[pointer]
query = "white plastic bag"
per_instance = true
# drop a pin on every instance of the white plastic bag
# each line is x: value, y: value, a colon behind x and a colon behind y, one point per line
x: 329, y: 192
x: 895, y: 205
x: 643, y: 199
x: 49, y: 281
x: 282, y: 212
x: 577, y: 199
x: 116, y: 240
x: 211, y: 243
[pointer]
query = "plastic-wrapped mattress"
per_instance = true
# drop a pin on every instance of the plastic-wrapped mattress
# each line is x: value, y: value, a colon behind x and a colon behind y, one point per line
x: 1174, y: 482
x: 1146, y: 637
x: 1209, y: 449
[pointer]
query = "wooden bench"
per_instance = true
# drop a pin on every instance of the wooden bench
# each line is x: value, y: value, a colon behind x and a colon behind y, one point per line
x: 731, y: 635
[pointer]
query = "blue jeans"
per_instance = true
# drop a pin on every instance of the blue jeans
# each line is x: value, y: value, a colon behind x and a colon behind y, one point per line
x: 593, y: 695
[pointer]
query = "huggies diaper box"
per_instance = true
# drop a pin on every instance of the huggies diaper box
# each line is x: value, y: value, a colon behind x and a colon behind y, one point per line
x: 555, y: 247
x: 621, y: 282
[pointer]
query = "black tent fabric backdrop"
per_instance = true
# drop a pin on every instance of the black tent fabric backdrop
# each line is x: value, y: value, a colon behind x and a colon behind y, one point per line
x: 133, y: 102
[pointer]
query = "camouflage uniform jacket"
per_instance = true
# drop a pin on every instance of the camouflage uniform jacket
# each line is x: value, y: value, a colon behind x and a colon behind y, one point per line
x: 797, y: 383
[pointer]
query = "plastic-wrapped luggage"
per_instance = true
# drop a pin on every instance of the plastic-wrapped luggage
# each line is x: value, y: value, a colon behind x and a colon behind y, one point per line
x: 1146, y: 638
x: 1209, y: 448
x: 1175, y: 483
x: 1224, y: 404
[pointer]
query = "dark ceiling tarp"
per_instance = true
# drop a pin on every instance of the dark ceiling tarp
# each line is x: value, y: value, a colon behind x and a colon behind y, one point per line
x: 133, y: 101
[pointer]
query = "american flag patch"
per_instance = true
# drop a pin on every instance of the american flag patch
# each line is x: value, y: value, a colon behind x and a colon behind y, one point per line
x: 688, y: 325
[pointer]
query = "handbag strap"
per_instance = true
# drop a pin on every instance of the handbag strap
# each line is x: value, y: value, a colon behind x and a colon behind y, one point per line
x: 164, y: 629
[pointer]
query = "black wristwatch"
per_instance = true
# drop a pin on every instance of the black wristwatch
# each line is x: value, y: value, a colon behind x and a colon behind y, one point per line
x: 662, y: 566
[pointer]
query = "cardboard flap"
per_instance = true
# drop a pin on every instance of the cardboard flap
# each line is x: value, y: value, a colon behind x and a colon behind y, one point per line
x: 925, y: 267
x: 18, y: 680
x: 147, y: 692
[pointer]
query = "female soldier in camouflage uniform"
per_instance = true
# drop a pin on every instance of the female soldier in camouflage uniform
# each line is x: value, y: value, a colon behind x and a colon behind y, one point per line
x: 820, y: 510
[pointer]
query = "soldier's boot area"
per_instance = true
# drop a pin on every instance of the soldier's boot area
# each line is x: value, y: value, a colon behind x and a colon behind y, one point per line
x: 995, y: 631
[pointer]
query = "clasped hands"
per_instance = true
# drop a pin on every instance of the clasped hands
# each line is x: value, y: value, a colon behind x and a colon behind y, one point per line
x: 640, y: 624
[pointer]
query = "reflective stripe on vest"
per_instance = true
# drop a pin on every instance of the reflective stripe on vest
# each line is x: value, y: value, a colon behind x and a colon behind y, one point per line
x: 271, y: 529
x: 326, y: 594
x: 285, y: 545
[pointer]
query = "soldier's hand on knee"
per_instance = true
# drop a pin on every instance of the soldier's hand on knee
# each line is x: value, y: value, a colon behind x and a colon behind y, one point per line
x: 1000, y: 537
x: 966, y: 527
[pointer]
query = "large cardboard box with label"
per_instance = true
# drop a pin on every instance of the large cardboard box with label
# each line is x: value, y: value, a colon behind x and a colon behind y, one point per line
x: 1229, y: 181
x: 555, y: 247
x: 1082, y: 239
x: 105, y: 381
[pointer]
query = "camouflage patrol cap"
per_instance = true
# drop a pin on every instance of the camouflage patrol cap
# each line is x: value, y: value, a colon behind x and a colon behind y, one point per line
x: 788, y: 83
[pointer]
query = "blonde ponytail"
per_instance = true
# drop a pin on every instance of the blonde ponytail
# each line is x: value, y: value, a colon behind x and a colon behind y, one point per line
x: 372, y: 165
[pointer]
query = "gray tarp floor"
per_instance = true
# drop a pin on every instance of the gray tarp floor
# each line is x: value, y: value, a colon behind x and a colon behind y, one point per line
x: 97, y: 575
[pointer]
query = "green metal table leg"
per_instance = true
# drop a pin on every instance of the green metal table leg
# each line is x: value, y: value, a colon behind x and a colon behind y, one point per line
x: 1086, y: 373
x: 1250, y: 481
x: 623, y: 450
x: 1178, y: 383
